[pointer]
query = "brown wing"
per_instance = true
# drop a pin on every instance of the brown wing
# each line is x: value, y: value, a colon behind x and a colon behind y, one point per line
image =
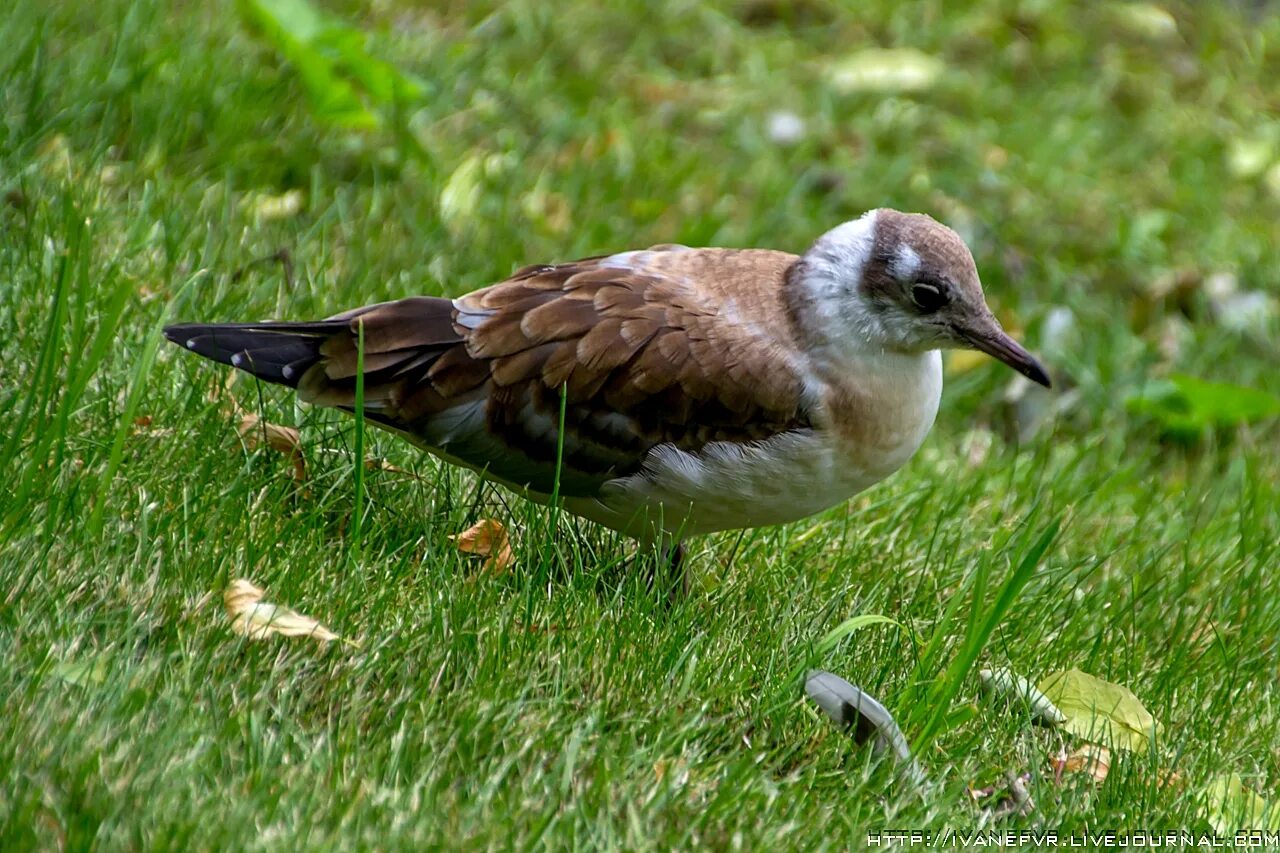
x: 670, y: 345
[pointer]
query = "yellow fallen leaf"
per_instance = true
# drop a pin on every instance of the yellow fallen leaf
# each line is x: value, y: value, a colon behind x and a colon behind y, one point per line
x: 487, y: 538
x: 1100, y: 709
x: 282, y: 439
x: 1230, y: 806
x: 257, y: 619
x: 1090, y: 759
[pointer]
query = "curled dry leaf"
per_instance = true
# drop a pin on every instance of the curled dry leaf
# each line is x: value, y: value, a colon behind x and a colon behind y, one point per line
x: 1090, y: 759
x: 257, y: 619
x: 282, y: 439
x: 487, y: 538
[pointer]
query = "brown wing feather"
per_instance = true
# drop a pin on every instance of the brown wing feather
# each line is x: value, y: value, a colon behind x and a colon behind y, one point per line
x: 669, y: 345
x: 655, y: 345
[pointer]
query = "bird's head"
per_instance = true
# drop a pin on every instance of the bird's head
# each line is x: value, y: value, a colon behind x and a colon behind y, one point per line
x: 904, y: 282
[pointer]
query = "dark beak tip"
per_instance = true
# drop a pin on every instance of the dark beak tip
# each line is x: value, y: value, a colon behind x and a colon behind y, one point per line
x: 1036, y: 373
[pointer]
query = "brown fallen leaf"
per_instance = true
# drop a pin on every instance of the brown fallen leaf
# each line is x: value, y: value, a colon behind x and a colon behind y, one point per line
x: 377, y: 463
x: 257, y: 619
x: 282, y: 439
x: 1090, y: 759
x: 487, y: 538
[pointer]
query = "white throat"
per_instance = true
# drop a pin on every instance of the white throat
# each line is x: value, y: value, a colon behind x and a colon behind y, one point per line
x: 832, y: 272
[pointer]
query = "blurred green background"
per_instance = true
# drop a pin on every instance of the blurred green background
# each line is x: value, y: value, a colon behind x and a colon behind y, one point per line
x: 1115, y: 168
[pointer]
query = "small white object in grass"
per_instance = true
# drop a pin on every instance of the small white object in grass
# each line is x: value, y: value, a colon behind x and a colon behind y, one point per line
x: 785, y: 127
x: 1248, y: 311
x: 1146, y: 20
x: 886, y: 71
x: 1007, y: 683
x: 191, y: 343
x: 1059, y: 335
x: 237, y: 359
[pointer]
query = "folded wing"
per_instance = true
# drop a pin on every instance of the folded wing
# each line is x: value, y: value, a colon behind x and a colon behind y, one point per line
x: 669, y: 345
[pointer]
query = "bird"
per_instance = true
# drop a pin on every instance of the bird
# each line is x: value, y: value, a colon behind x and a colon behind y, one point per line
x: 667, y: 392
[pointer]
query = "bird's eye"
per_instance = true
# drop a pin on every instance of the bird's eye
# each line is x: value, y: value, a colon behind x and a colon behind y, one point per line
x: 929, y: 297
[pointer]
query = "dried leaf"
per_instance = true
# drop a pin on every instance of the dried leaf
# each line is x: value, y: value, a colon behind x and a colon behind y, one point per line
x: 1090, y: 759
x: 257, y: 619
x: 253, y: 430
x: 1094, y: 707
x: 377, y: 463
x: 487, y: 538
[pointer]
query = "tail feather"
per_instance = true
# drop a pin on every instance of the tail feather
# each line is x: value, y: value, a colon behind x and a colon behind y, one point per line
x: 274, y: 352
x: 401, y: 341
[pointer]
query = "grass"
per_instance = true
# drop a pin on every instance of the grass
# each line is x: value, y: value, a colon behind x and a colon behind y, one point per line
x: 1089, y: 164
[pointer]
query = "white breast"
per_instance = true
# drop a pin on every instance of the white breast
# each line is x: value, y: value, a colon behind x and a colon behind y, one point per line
x: 726, y: 486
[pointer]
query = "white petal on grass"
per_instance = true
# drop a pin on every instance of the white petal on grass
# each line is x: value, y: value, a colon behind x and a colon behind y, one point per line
x: 785, y: 127
x: 1249, y: 311
x: 1009, y: 685
x: 257, y: 619
x: 886, y: 71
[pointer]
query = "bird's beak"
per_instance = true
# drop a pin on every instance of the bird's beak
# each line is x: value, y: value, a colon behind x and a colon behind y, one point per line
x: 997, y: 344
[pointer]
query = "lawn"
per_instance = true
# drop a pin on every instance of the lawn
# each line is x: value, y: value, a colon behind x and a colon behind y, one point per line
x: 1116, y: 170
